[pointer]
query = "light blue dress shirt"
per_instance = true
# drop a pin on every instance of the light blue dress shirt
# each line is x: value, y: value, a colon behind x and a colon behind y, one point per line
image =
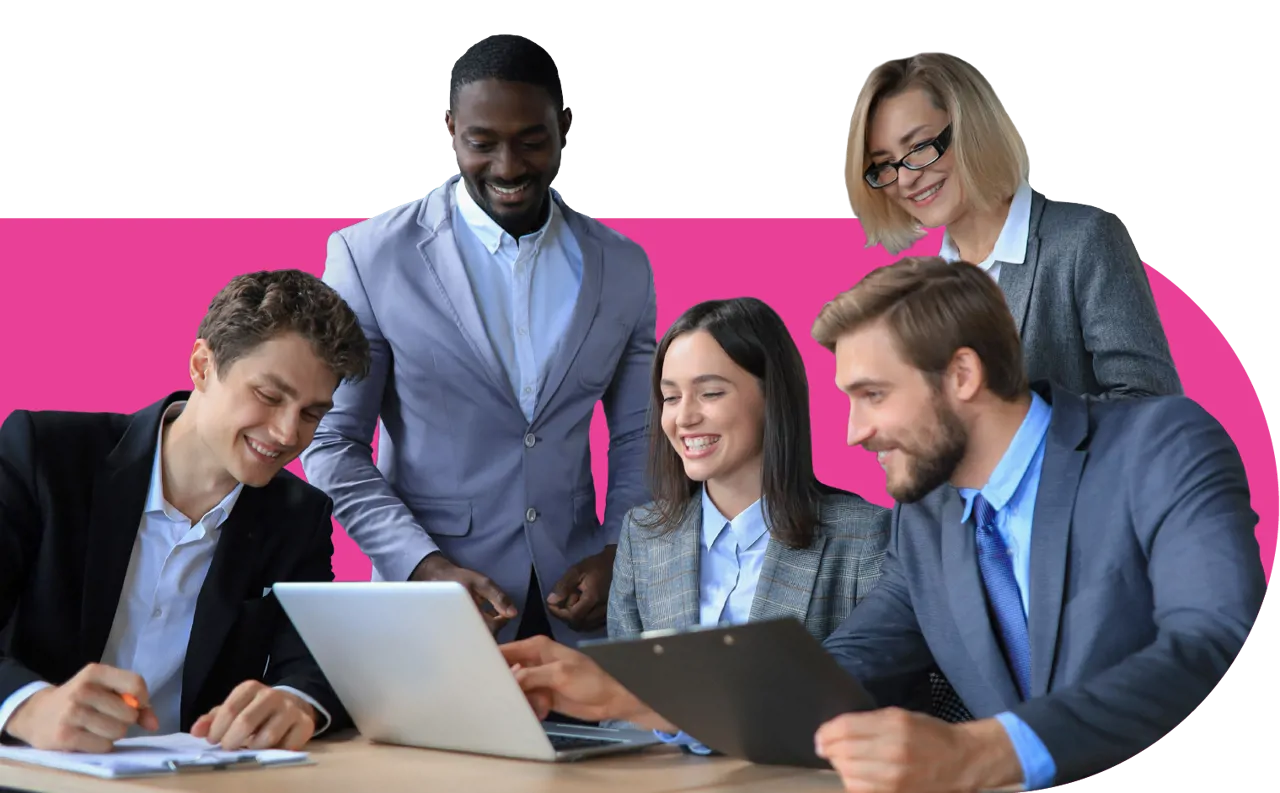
x: 1011, y: 245
x: 1011, y: 491
x: 525, y: 291
x: 730, y: 558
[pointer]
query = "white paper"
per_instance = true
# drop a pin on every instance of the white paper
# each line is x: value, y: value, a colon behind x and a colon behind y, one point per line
x: 146, y: 755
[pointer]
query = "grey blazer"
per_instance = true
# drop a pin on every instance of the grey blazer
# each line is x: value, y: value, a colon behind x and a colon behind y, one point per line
x: 655, y: 576
x: 1084, y: 306
x: 460, y: 469
x: 1145, y: 581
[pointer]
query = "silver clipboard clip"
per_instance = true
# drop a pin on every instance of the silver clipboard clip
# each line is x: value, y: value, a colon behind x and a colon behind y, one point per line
x: 226, y: 764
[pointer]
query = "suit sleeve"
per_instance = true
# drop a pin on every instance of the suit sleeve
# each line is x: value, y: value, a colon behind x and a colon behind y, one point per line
x: 626, y: 405
x: 292, y: 665
x: 880, y: 643
x: 339, y: 460
x: 872, y: 555
x: 624, y: 612
x: 1191, y: 513
x: 1118, y: 317
x: 20, y: 531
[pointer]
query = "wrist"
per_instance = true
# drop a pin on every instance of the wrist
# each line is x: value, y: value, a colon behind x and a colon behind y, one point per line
x: 431, y: 566
x: 990, y: 761
x: 22, y: 716
x: 638, y: 713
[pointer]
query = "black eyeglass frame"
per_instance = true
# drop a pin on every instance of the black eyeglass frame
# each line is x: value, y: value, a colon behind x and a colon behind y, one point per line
x: 940, y: 145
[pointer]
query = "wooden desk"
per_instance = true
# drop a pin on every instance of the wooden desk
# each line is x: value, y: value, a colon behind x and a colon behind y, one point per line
x: 351, y: 763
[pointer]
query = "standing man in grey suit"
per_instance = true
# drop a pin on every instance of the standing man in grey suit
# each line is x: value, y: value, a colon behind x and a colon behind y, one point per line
x: 498, y: 318
x: 1082, y: 571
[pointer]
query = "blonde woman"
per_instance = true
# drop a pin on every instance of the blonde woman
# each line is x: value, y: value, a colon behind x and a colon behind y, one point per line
x: 931, y: 146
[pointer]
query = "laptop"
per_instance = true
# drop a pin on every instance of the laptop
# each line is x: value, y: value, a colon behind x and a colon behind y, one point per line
x: 415, y: 665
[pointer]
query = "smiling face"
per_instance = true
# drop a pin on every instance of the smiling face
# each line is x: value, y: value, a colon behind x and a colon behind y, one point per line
x: 259, y: 413
x: 712, y: 412
x: 896, y: 412
x: 508, y: 137
x: 900, y: 124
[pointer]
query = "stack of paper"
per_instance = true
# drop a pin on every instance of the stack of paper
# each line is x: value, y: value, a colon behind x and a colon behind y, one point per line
x: 150, y: 755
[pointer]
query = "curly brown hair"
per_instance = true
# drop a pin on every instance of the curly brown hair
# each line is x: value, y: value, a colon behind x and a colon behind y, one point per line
x: 256, y: 307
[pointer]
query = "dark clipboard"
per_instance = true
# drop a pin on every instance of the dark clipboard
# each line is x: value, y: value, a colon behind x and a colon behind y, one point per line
x: 757, y: 692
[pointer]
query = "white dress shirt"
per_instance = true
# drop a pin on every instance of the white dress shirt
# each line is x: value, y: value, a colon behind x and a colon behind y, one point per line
x: 525, y: 291
x: 157, y: 606
x: 1011, y: 245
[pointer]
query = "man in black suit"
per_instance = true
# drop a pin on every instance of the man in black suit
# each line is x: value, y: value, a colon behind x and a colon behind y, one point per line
x: 137, y: 552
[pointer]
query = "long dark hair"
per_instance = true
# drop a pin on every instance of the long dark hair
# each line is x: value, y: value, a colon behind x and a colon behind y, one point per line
x: 756, y: 339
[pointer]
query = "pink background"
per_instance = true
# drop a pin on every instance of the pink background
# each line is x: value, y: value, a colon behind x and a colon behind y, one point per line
x: 100, y: 315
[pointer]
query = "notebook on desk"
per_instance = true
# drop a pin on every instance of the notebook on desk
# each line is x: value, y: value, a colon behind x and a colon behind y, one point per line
x: 153, y: 756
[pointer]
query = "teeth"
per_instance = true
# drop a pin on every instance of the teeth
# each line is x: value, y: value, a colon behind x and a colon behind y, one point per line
x: 263, y: 451
x: 699, y: 444
x: 928, y: 192
x: 507, y: 190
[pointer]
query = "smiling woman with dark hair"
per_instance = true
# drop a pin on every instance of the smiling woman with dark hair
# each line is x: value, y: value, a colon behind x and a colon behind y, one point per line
x: 739, y: 528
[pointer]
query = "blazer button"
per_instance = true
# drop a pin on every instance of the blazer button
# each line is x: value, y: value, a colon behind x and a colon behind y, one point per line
x: 531, y: 514
x: 529, y: 440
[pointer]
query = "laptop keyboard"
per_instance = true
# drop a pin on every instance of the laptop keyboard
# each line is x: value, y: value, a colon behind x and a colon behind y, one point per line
x: 562, y: 743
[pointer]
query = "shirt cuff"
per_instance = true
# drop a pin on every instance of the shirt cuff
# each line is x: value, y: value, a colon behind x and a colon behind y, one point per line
x: 323, y: 720
x: 1038, y: 768
x: 682, y: 739
x: 15, y: 700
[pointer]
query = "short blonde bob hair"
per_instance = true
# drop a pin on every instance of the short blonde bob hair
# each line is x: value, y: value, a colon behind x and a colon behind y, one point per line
x: 990, y: 158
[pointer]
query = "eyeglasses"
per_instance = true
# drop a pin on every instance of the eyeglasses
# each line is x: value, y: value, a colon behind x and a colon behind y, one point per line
x: 919, y: 158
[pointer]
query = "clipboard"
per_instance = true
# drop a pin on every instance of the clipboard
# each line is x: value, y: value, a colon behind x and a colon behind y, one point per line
x: 757, y: 692
x: 148, y: 756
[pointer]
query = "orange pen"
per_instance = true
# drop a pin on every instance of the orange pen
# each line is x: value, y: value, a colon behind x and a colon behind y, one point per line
x: 130, y: 700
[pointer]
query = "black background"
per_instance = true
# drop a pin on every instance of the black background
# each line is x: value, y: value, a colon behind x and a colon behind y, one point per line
x: 682, y: 123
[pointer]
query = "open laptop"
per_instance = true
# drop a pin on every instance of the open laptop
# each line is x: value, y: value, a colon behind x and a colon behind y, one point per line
x: 415, y: 665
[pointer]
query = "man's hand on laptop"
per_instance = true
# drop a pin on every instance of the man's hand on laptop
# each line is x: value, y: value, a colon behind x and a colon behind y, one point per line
x: 555, y: 677
x: 581, y: 598
x: 496, y: 608
x: 88, y: 713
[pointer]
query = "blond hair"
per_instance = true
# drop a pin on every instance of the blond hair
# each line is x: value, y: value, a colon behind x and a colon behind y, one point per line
x: 990, y: 157
x: 932, y: 309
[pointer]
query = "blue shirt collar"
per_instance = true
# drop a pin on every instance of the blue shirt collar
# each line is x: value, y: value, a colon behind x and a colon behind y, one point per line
x: 156, y: 502
x: 1011, y: 245
x: 747, y: 528
x: 486, y: 229
x: 1012, y: 468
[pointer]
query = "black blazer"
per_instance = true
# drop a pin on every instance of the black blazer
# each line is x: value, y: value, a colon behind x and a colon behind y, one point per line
x: 72, y: 490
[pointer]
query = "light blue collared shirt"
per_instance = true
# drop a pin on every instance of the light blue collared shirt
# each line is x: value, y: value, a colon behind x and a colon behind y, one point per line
x: 1011, y: 491
x: 730, y: 558
x: 525, y: 291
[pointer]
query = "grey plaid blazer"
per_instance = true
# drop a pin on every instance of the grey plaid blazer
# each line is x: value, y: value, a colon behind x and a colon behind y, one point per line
x: 656, y: 577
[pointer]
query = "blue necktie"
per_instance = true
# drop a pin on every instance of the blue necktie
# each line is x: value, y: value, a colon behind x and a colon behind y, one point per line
x: 996, y: 566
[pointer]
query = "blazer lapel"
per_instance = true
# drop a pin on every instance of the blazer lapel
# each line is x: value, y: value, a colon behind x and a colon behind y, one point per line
x: 1016, y: 279
x: 969, y: 602
x: 673, y: 591
x: 1051, y: 533
x: 232, y: 570
x: 786, y: 580
x: 440, y: 252
x: 119, y: 495
x: 584, y: 311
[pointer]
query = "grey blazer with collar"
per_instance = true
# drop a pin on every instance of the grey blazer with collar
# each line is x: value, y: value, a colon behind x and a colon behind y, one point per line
x: 1084, y: 308
x: 656, y: 576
